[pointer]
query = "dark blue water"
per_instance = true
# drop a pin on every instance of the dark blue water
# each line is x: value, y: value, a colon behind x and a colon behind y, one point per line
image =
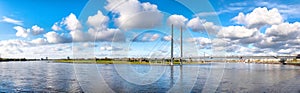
x: 216, y: 77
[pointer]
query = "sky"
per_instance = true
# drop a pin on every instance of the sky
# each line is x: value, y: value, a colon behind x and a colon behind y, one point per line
x: 142, y: 28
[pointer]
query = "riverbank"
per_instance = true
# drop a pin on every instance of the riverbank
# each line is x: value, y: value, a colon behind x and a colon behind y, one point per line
x: 17, y: 59
x: 122, y: 62
x: 159, y: 62
x: 267, y: 61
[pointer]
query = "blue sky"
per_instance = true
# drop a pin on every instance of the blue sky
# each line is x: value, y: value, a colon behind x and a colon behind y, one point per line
x: 36, y: 12
x: 106, y: 27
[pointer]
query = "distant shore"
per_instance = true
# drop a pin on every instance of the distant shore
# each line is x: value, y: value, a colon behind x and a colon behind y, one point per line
x: 155, y: 61
x: 17, y: 59
x: 122, y: 62
x: 176, y: 62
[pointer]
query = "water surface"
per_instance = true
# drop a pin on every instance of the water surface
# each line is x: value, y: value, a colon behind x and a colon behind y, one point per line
x: 42, y: 76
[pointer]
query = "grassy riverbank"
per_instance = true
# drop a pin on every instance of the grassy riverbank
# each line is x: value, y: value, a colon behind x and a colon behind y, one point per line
x: 120, y: 62
x: 176, y: 61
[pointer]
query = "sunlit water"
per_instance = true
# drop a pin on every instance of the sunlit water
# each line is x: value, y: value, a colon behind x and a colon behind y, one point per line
x: 225, y: 77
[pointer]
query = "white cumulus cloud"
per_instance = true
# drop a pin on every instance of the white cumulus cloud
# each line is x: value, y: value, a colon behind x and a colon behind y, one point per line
x: 39, y: 41
x: 53, y: 37
x: 112, y: 35
x: 79, y: 36
x: 284, y: 31
x: 236, y: 32
x: 177, y: 20
x: 201, y: 41
x: 198, y: 25
x: 259, y: 17
x: 98, y: 21
x: 97, y: 29
x: 134, y: 14
x: 22, y: 32
x: 268, y: 42
x: 110, y: 48
x: 36, y: 30
x: 56, y: 27
x: 72, y: 22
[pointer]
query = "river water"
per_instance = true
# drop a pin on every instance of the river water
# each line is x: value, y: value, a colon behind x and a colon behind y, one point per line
x: 40, y: 76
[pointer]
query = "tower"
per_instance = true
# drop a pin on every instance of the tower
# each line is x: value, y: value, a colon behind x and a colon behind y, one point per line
x: 172, y: 59
x: 181, y: 55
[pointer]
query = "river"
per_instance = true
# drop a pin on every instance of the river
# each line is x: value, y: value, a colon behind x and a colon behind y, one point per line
x: 41, y: 76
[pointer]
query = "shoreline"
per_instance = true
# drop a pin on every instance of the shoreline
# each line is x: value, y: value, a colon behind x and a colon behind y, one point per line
x: 156, y: 62
x: 121, y: 62
x: 163, y: 63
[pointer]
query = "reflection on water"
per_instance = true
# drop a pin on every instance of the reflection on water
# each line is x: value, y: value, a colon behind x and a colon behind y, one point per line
x: 37, y: 76
x: 62, y: 77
